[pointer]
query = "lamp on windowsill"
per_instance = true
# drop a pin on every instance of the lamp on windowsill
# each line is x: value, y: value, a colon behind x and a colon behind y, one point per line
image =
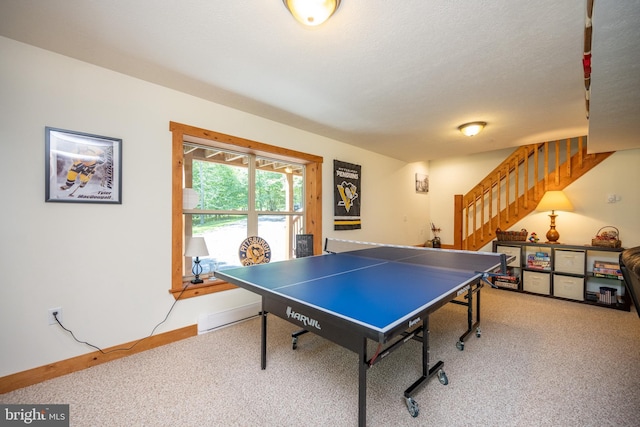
x: 554, y: 201
x: 196, y: 247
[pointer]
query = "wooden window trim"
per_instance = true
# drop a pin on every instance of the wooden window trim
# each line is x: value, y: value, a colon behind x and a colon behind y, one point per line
x: 313, y: 196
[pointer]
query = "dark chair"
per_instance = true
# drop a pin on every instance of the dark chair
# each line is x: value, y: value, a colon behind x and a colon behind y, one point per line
x: 630, y: 268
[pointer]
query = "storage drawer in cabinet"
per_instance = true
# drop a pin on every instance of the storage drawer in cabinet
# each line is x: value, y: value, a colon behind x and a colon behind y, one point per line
x: 511, y: 251
x: 538, y: 283
x: 566, y: 261
x: 568, y: 287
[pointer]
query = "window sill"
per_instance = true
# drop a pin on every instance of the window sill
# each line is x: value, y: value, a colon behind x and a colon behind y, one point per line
x: 201, y: 289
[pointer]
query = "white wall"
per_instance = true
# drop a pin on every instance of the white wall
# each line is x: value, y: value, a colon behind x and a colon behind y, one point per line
x: 618, y: 174
x: 108, y: 266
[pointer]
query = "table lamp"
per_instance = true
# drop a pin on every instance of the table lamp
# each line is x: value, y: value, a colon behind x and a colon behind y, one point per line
x: 196, y: 247
x: 554, y: 201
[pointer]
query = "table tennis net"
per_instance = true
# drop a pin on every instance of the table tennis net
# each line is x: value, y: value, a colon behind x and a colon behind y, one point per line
x: 450, y: 259
x: 336, y: 246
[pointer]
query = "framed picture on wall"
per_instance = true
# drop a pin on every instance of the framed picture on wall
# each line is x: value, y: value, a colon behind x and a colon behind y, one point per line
x: 422, y: 183
x: 82, y: 168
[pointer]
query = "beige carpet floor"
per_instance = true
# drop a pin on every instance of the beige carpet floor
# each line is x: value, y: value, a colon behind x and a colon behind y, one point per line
x: 539, y: 362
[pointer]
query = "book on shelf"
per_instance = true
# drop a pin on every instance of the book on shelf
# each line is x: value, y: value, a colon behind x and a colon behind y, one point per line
x: 606, y: 264
x: 609, y: 270
x: 506, y: 284
x: 539, y: 261
x: 506, y: 281
x: 608, y: 275
x: 592, y: 296
x: 506, y: 278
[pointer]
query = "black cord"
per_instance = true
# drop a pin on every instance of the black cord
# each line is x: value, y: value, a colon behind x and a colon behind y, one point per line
x: 55, y: 315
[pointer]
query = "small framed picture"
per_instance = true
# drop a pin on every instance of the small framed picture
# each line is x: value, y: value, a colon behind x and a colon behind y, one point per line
x: 82, y: 168
x: 422, y: 183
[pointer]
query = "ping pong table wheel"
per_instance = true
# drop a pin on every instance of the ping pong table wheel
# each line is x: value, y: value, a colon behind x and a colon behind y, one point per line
x: 412, y: 406
x: 442, y: 377
x: 460, y: 345
x: 294, y: 343
x: 478, y: 332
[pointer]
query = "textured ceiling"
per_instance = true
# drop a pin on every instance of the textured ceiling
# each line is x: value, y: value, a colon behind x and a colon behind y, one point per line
x: 392, y: 77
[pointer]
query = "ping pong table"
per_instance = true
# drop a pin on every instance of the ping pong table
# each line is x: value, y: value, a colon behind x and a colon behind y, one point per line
x: 382, y: 293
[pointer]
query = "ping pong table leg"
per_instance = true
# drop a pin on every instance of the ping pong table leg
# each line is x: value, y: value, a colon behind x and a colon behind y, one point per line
x: 362, y: 385
x: 427, y: 372
x: 263, y: 348
x: 471, y: 325
x: 478, y: 313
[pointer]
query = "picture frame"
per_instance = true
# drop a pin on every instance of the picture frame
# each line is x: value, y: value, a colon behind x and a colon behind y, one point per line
x: 82, y: 167
x: 422, y: 183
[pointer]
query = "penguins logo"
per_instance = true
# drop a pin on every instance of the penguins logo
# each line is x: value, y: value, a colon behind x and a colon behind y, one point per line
x: 348, y: 193
x: 254, y: 250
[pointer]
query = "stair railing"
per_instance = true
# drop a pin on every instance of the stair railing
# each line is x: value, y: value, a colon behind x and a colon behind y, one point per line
x: 513, y: 189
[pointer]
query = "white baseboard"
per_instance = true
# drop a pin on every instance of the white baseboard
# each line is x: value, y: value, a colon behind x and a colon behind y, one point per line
x: 210, y: 321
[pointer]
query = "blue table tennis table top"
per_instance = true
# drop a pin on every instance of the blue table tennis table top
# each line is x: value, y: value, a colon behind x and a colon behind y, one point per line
x: 378, y: 287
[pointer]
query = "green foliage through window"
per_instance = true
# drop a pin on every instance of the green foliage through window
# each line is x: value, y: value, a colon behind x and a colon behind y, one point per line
x: 220, y: 187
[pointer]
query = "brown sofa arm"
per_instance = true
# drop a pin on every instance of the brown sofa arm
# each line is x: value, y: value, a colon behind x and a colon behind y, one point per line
x: 630, y: 267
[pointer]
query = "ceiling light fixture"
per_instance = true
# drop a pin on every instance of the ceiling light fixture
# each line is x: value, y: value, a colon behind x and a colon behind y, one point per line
x: 311, y: 12
x: 471, y: 129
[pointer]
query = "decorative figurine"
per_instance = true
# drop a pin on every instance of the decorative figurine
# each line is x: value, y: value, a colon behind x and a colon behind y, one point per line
x: 534, y: 238
x: 436, y: 240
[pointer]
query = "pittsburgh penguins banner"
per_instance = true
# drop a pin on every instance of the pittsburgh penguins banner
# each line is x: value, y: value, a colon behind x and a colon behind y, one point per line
x: 346, y: 190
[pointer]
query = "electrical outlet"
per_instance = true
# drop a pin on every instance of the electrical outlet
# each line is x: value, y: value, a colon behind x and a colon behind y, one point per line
x: 52, y: 319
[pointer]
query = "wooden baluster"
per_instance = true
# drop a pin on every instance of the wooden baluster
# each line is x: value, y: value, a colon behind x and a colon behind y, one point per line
x: 482, y: 196
x: 499, y: 207
x: 458, y: 236
x: 506, y: 187
x: 526, y: 181
x: 557, y: 163
x: 490, y: 208
x: 580, y: 158
x: 516, y: 188
x: 466, y: 224
x: 536, y: 196
x: 475, y: 214
x: 568, y: 158
x: 546, y: 166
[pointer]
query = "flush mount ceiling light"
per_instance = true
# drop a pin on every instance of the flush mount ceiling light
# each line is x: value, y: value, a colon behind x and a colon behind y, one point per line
x: 311, y: 12
x: 473, y: 128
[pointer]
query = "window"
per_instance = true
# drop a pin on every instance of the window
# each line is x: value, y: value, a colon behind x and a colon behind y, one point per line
x: 226, y: 189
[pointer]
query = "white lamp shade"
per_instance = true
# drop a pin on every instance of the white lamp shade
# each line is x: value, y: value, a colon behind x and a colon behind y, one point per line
x: 554, y: 201
x: 196, y: 247
x: 311, y: 12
